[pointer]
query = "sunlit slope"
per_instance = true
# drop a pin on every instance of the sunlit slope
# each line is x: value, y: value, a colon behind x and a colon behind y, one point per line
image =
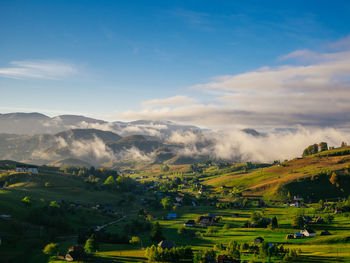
x: 309, y: 177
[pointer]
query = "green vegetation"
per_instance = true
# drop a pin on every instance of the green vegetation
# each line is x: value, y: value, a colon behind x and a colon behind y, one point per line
x: 223, y: 211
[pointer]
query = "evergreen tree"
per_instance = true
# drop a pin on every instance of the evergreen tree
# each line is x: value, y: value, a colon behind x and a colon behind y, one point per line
x: 91, y: 244
x: 274, y: 222
x: 156, y: 234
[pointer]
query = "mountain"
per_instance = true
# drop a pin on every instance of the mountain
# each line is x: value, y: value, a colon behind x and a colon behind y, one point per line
x: 88, y: 134
x: 37, y: 123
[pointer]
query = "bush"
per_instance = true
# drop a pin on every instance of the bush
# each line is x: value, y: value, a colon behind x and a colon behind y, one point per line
x: 51, y: 249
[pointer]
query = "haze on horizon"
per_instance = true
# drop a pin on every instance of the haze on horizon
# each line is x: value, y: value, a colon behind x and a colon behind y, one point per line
x: 213, y: 65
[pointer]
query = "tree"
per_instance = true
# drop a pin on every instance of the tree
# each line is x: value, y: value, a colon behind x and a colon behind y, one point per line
x: 323, y: 146
x: 256, y: 218
x: 27, y: 201
x: 343, y: 144
x: 166, y: 203
x: 274, y: 222
x: 54, y: 204
x: 182, y: 230
x: 334, y: 179
x: 297, y: 221
x: 91, y: 244
x: 164, y: 168
x: 312, y: 149
x: 110, y: 180
x: 156, y: 233
x: 51, y: 249
x: 135, y: 240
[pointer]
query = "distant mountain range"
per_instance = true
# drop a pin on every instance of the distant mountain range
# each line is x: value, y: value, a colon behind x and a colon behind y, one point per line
x: 77, y: 140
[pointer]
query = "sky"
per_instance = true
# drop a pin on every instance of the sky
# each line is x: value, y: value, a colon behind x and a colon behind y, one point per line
x: 208, y: 63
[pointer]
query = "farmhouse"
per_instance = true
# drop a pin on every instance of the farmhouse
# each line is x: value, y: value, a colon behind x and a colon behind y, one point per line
x: 206, y: 220
x: 298, y: 235
x: 166, y: 244
x: 190, y: 223
x: 75, y: 253
x: 308, y: 232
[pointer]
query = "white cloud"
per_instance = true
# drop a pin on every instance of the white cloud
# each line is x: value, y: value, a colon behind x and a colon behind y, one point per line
x: 314, y: 91
x: 38, y: 69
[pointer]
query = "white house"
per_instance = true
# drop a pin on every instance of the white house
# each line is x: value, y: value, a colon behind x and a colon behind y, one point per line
x: 308, y: 232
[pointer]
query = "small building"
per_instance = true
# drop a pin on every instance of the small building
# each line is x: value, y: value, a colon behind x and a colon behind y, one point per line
x: 166, y: 244
x: 290, y: 236
x: 206, y: 220
x: 298, y: 235
x: 190, y: 223
x: 308, y: 232
x: 338, y: 211
x: 179, y: 199
x: 258, y: 240
x: 295, y: 203
x: 172, y: 216
x: 75, y: 253
x: 33, y: 170
x: 20, y: 170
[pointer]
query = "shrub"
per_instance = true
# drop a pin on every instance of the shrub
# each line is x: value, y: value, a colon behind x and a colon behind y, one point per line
x: 51, y: 249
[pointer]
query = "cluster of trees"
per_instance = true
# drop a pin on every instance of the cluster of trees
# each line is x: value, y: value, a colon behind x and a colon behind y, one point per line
x: 85, y: 172
x: 315, y: 148
x: 234, y: 251
x: 258, y: 220
x: 175, y: 254
x: 122, y: 184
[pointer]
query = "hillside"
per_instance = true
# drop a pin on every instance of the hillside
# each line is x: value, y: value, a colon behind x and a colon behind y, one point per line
x: 308, y: 177
x: 70, y: 162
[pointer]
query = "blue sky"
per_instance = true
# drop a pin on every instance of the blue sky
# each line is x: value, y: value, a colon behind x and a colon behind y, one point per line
x: 128, y: 59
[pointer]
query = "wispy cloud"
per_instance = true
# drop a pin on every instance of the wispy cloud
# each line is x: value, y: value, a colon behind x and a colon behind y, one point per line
x: 168, y: 102
x: 38, y: 69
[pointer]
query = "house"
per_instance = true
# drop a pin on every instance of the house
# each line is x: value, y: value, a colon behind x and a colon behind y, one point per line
x: 190, y: 223
x: 166, y: 244
x: 298, y: 235
x: 75, y: 253
x: 338, y: 211
x: 295, y: 203
x: 20, y: 170
x: 206, y: 220
x: 172, y: 216
x: 258, y: 240
x: 179, y: 199
x: 308, y: 232
x: 33, y: 170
